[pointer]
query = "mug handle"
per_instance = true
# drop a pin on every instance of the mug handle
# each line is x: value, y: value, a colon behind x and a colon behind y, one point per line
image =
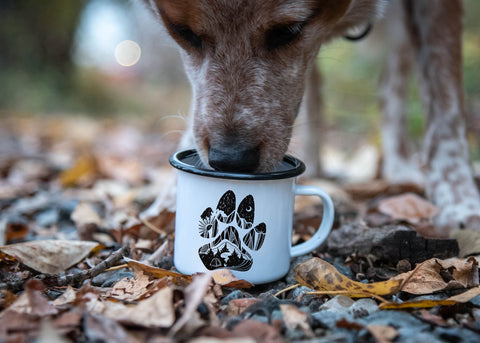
x: 325, y: 226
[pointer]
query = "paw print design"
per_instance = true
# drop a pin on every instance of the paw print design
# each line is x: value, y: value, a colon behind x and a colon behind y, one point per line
x: 232, y: 233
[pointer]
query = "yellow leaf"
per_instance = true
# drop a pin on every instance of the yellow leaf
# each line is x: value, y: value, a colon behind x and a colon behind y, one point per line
x: 85, y: 167
x: 416, y: 304
x: 322, y: 276
x: 155, y: 272
x: 459, y: 298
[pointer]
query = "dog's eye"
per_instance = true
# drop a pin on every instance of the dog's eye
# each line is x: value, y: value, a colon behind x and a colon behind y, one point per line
x: 281, y: 35
x: 186, y: 34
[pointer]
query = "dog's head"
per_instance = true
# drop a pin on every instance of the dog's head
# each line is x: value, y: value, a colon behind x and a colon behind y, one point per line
x: 247, y: 62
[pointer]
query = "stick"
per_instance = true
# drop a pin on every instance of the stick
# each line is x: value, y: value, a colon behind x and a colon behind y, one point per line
x: 73, y: 279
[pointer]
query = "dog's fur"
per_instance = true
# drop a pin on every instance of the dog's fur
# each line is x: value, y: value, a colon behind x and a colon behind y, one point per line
x: 251, y: 63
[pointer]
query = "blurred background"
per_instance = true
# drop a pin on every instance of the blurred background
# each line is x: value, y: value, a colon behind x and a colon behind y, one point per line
x: 110, y: 60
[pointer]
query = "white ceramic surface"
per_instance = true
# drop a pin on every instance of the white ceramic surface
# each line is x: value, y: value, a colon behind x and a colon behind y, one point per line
x: 242, y: 225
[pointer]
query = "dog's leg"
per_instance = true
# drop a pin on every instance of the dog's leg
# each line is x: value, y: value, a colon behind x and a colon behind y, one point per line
x: 312, y: 125
x: 436, y: 31
x: 398, y: 166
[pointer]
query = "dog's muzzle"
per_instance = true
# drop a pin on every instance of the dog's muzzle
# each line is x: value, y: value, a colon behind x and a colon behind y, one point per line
x: 234, y: 158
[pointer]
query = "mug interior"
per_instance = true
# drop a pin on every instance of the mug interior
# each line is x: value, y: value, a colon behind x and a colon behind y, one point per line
x: 189, y: 161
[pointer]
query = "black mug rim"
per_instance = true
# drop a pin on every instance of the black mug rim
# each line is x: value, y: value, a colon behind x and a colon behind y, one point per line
x: 177, y: 161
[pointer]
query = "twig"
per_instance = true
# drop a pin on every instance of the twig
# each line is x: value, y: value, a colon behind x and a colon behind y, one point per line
x: 152, y: 227
x: 351, y: 293
x: 75, y: 278
x: 287, y: 289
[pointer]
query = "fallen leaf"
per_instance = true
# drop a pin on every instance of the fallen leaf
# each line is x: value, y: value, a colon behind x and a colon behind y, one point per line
x: 103, y: 329
x: 349, y: 325
x: 296, y: 319
x: 177, y: 278
x: 32, y: 301
x: 433, y: 318
x: 134, y: 289
x: 67, y: 297
x: 156, y: 311
x: 324, y: 278
x: 237, y: 306
x: 85, y: 214
x: 468, y: 241
x: 50, y: 256
x: 85, y: 168
x: 430, y: 276
x: 459, y: 298
x: 225, y: 277
x: 382, y: 333
x: 259, y: 331
x: 194, y: 294
x: 377, y: 187
x: 416, y: 304
x: 409, y: 207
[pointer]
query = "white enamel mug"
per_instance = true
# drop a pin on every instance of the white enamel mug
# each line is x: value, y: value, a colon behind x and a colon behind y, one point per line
x: 241, y: 222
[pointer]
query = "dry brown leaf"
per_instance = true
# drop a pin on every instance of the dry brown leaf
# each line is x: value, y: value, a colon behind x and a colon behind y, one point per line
x: 409, y: 207
x: 382, y: 333
x: 84, y: 214
x: 32, y: 301
x: 159, y: 273
x: 323, y: 277
x: 131, y: 289
x: 296, y: 319
x: 468, y: 241
x: 85, y: 168
x: 194, y: 294
x: 50, y: 256
x: 224, y: 277
x: 429, y: 276
x: 156, y: 311
x: 466, y: 296
x: 260, y: 332
x: 237, y: 306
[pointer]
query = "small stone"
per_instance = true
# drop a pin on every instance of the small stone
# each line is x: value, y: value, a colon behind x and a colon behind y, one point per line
x: 330, y: 318
x: 339, y: 303
x: 107, y: 279
x: 236, y: 294
x: 363, y: 307
x: 300, y: 291
x: 404, y: 266
x: 47, y: 218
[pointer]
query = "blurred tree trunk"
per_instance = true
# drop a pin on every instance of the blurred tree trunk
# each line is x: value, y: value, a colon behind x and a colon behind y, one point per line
x: 37, y: 36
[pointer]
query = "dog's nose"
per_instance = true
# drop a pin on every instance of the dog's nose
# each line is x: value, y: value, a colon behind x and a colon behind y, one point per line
x: 232, y: 158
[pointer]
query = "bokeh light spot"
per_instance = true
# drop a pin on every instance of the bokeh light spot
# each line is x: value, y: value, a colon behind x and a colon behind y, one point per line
x: 127, y: 53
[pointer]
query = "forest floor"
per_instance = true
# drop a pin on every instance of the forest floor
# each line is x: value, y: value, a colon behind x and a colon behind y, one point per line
x: 78, y: 264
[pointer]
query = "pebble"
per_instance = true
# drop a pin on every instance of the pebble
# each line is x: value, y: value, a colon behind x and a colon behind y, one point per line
x: 107, y: 279
x: 339, y: 303
x: 47, y: 218
x: 363, y: 307
x: 236, y: 294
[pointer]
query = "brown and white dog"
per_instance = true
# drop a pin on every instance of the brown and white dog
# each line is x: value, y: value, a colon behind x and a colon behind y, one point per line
x: 251, y: 63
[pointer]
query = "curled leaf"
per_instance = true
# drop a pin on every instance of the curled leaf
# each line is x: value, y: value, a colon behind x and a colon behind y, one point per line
x: 50, y: 256
x: 323, y: 277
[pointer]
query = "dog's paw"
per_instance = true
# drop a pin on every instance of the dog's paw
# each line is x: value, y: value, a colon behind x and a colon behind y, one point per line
x: 228, y: 236
x: 461, y: 215
x: 401, y: 171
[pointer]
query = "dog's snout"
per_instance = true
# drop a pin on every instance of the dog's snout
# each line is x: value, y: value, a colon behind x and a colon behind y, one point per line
x: 234, y: 158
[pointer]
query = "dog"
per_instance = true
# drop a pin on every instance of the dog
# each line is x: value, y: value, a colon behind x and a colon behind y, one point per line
x: 251, y: 64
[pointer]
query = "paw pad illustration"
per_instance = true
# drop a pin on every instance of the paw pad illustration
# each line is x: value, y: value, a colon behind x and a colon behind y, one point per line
x: 232, y: 232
